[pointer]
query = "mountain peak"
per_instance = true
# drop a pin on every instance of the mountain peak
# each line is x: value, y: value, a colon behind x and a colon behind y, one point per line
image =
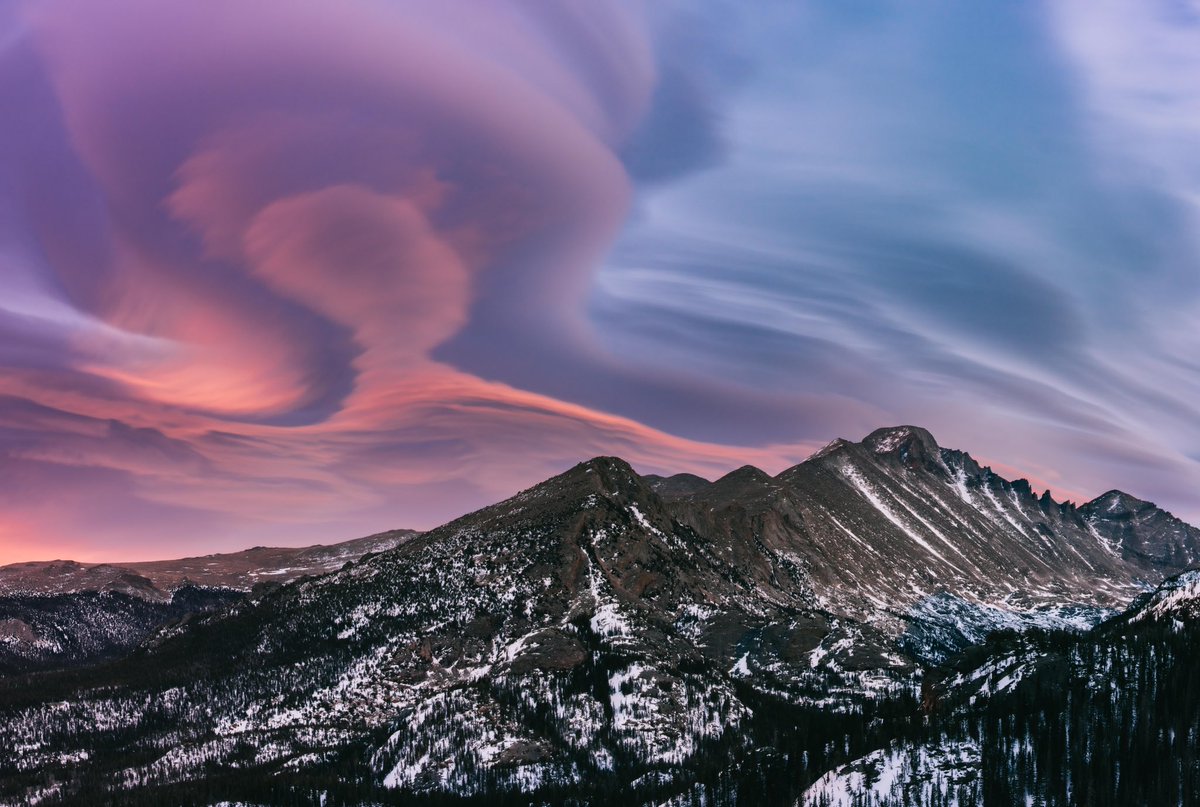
x: 679, y: 485
x: 609, y: 473
x: 742, y: 484
x: 747, y: 473
x: 899, y: 439
x: 1144, y: 530
x: 1115, y: 502
x: 910, y: 446
x: 609, y: 467
x: 831, y: 447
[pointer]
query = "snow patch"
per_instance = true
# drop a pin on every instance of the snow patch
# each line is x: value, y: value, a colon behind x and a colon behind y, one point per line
x: 860, y: 483
x: 902, y: 775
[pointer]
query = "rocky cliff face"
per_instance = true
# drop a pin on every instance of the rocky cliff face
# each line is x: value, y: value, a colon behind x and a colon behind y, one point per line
x: 1145, y: 535
x: 898, y: 532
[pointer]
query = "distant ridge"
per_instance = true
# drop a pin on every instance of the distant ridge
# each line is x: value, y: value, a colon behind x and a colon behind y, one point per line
x: 62, y: 613
x: 155, y: 580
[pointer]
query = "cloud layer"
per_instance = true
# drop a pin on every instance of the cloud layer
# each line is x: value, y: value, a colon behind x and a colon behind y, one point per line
x: 294, y: 271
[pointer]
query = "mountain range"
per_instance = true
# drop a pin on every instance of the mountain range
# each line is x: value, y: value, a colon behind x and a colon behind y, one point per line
x: 834, y: 634
x: 63, y: 613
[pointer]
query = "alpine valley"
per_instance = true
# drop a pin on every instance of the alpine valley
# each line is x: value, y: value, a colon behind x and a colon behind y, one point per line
x: 887, y: 623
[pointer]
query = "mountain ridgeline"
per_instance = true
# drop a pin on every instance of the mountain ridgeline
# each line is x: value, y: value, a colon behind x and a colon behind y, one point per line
x: 846, y: 632
x: 61, y: 613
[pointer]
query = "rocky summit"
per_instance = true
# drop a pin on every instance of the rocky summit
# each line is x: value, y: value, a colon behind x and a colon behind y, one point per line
x: 603, y: 635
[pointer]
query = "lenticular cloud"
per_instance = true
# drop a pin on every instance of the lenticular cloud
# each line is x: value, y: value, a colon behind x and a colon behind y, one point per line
x: 243, y: 229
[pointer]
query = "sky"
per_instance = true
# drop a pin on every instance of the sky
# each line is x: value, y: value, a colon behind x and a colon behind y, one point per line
x: 296, y: 271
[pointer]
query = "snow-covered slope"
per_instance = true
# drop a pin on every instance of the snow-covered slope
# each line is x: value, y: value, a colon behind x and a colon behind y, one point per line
x: 1107, y: 716
x: 604, y: 633
x: 1176, y: 599
x: 903, y: 775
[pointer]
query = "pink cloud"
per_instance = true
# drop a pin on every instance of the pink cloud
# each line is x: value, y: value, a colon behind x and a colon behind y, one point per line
x: 280, y: 176
x: 371, y: 262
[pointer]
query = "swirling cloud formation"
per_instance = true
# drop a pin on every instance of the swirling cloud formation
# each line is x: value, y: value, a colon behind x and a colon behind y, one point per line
x: 282, y: 272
